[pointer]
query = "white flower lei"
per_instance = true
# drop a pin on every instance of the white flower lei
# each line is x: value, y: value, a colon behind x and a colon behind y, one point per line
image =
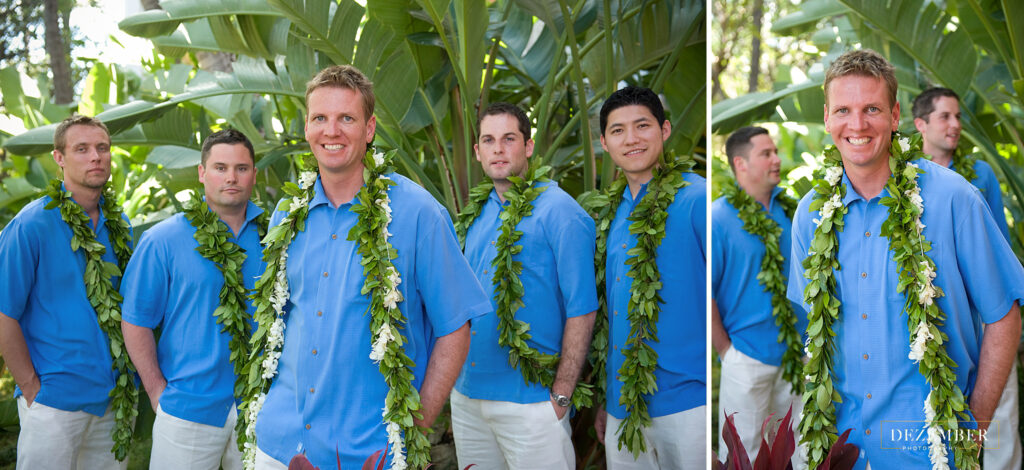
x: 923, y: 336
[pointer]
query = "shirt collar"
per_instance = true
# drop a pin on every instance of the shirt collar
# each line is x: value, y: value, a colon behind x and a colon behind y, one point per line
x: 99, y: 206
x: 775, y: 193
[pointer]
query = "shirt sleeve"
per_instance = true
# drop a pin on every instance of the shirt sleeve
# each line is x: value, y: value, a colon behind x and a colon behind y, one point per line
x: 803, y: 230
x: 21, y: 255
x: 451, y: 293
x: 145, y: 284
x: 718, y: 253
x: 993, y: 195
x: 573, y: 248
x: 991, y: 273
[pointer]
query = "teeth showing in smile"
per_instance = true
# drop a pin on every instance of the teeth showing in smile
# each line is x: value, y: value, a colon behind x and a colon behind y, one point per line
x: 635, y: 152
x: 333, y: 146
x: 858, y: 141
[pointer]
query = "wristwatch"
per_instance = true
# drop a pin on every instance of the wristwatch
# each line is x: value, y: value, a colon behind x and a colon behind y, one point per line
x: 560, y: 400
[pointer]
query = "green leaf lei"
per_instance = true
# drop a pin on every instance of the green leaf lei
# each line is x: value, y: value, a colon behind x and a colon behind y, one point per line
x: 963, y: 163
x: 756, y: 222
x: 648, y: 224
x: 216, y: 245
x: 945, y: 403
x: 105, y: 299
x: 535, y: 366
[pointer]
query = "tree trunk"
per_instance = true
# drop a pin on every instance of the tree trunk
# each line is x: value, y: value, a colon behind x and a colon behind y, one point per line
x: 57, y: 50
x: 755, y: 46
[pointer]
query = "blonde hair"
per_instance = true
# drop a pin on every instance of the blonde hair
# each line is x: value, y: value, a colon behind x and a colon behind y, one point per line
x: 865, y: 63
x: 60, y: 135
x: 344, y: 76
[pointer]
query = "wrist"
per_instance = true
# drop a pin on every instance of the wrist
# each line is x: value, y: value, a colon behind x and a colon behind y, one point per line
x: 561, y: 400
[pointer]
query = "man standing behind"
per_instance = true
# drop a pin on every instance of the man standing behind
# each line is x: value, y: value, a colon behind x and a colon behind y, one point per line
x: 754, y: 327
x: 190, y: 276
x: 902, y: 261
x: 651, y: 265
x: 937, y: 118
x: 344, y: 356
x: 50, y: 337
x: 500, y: 420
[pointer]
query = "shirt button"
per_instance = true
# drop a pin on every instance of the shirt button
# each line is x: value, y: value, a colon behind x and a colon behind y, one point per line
x: 617, y: 279
x: 314, y: 353
x: 867, y: 431
x: 869, y: 396
x: 865, y: 356
x: 319, y: 313
x: 867, y: 234
x: 334, y: 236
x: 623, y: 245
x: 492, y: 242
x: 472, y: 364
x: 485, y: 271
x: 325, y: 273
x: 616, y: 312
x: 307, y: 426
x: 615, y: 346
x: 861, y: 274
x: 864, y: 316
x: 311, y: 389
x: 474, y: 332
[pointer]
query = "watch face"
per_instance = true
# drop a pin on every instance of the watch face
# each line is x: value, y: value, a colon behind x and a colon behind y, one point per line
x: 562, y: 401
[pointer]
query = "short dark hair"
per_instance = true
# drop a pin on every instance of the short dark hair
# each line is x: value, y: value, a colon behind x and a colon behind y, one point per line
x: 863, y: 63
x: 633, y: 95
x: 738, y: 144
x: 75, y: 119
x: 226, y: 136
x: 500, y: 107
x: 345, y: 76
x: 924, y: 104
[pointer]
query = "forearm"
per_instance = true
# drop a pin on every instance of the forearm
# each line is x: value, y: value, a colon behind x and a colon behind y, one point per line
x: 442, y: 370
x: 998, y: 351
x: 575, y: 344
x: 141, y: 346
x: 719, y: 337
x: 15, y: 352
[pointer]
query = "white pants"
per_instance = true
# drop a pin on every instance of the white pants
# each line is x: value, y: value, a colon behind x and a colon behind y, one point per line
x: 1002, y: 444
x: 179, y: 444
x: 57, y: 439
x: 674, y: 442
x: 751, y: 390
x: 266, y: 462
x: 503, y: 435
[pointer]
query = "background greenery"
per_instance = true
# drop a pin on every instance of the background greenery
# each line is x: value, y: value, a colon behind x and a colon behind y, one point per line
x: 771, y: 73
x: 435, y: 63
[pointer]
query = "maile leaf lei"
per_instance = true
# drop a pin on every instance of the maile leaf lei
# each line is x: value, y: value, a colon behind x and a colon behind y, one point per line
x: 216, y: 245
x: 648, y: 224
x: 104, y: 298
x: 945, y: 404
x: 535, y: 366
x: 756, y: 222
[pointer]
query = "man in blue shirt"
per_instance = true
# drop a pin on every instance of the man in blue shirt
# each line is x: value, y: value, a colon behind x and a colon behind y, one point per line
x: 743, y: 326
x: 937, y: 117
x: 499, y: 420
x: 882, y: 389
x: 50, y: 338
x: 633, y: 132
x: 327, y: 398
x: 168, y: 284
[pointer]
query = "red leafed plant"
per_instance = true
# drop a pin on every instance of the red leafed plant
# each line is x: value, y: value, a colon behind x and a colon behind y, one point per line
x: 777, y: 448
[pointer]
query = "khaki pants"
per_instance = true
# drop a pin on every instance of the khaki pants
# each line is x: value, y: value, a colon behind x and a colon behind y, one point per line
x: 58, y: 440
x: 674, y: 442
x: 503, y: 435
x: 179, y: 444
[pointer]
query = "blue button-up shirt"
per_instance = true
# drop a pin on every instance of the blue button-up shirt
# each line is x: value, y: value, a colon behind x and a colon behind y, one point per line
x: 682, y: 324
x: 744, y: 304
x: 42, y: 287
x: 169, y: 284
x: 328, y: 393
x: 883, y: 391
x: 558, y: 283
x: 988, y: 184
